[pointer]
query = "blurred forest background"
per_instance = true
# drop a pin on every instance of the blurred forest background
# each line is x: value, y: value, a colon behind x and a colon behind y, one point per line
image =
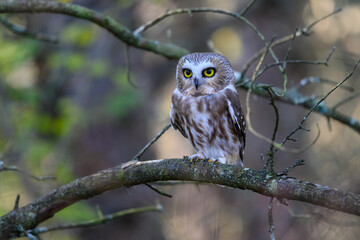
x: 68, y: 110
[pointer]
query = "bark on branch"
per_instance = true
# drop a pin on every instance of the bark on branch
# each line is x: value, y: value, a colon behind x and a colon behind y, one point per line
x: 133, y: 173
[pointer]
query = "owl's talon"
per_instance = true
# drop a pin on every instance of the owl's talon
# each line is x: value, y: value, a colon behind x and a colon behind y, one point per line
x: 193, y: 159
x: 211, y: 161
x: 216, y: 162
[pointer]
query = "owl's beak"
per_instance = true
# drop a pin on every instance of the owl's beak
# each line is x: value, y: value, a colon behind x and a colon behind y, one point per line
x: 197, y: 83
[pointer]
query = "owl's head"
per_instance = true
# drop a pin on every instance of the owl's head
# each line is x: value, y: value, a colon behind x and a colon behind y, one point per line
x: 203, y: 73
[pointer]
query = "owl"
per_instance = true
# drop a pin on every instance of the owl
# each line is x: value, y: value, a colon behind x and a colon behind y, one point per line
x: 206, y: 109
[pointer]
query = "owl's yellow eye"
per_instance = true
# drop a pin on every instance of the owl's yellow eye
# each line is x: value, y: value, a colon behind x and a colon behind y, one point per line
x: 187, y: 73
x: 209, y: 72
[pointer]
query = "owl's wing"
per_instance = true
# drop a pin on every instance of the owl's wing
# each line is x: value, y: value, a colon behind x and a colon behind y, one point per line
x: 175, y: 120
x: 237, y: 117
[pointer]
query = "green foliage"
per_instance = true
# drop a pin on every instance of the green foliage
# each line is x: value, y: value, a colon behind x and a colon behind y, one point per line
x: 13, y: 53
x: 77, y: 212
x: 124, y: 99
x: 38, y: 151
x: 98, y: 68
x: 81, y: 35
x: 64, y: 171
x: 74, y: 61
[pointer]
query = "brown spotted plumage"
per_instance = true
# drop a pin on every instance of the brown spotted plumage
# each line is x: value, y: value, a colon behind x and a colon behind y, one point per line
x: 206, y: 109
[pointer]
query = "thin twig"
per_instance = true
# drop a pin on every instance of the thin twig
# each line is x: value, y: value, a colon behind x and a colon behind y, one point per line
x: 128, y: 66
x: 253, y: 131
x: 159, y: 191
x: 304, y: 31
x: 22, y: 31
x: 16, y: 169
x: 248, y: 109
x: 169, y: 13
x: 143, y: 150
x: 247, y: 7
x: 311, y: 25
x: 17, y: 200
x: 311, y: 79
x: 98, y: 221
x: 285, y: 62
x: 300, y: 126
x: 270, y: 161
x: 289, y: 49
x: 346, y: 100
x: 296, y: 164
x: 271, y: 219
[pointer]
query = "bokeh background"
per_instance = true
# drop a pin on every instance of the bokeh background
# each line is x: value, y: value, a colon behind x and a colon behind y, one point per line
x: 68, y: 110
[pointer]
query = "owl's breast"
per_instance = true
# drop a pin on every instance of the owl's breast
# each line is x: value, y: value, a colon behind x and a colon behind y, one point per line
x: 204, y: 117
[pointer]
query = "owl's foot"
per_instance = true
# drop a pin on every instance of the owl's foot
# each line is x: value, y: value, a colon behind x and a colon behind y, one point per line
x: 211, y: 161
x: 193, y: 159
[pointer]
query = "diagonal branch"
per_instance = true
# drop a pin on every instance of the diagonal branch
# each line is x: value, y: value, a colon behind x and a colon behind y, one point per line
x: 16, y: 169
x: 135, y: 173
x: 98, y: 221
x: 22, y: 31
x: 106, y: 22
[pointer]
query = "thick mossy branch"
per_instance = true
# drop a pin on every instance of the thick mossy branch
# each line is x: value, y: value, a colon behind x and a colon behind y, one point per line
x: 135, y: 173
x: 110, y: 24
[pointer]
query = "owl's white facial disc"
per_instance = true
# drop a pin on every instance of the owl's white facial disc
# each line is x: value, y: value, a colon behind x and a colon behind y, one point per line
x: 197, y: 68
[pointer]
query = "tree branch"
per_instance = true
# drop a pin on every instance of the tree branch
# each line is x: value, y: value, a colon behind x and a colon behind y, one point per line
x: 16, y: 169
x: 98, y: 221
x: 135, y: 173
x: 295, y: 98
x: 108, y: 23
x: 22, y: 31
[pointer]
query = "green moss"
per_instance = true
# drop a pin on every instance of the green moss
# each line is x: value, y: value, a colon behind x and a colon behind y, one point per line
x: 122, y: 176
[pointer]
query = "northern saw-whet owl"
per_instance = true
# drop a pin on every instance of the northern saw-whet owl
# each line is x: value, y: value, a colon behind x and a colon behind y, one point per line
x: 206, y: 109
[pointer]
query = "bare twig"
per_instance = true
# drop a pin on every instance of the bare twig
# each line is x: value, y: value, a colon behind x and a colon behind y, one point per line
x: 190, y: 11
x: 270, y: 162
x: 247, y: 7
x: 311, y: 25
x: 22, y: 31
x: 128, y: 66
x: 300, y: 126
x: 143, y: 150
x: 17, y: 200
x: 159, y: 191
x: 248, y: 109
x: 304, y: 31
x: 289, y: 49
x: 16, y: 169
x: 296, y: 164
x: 285, y: 62
x: 346, y: 100
x: 98, y: 221
x: 271, y: 219
x: 312, y: 79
